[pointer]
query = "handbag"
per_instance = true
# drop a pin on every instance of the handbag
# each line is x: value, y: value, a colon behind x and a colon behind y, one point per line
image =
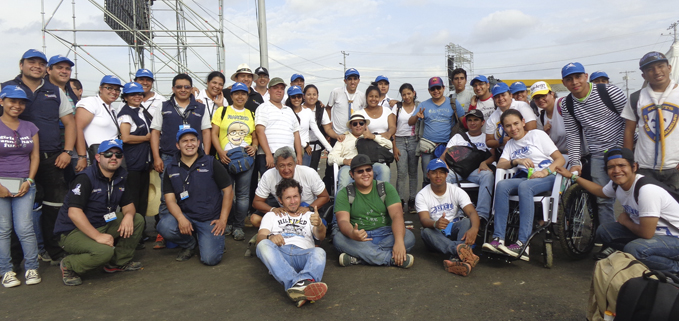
x: 463, y: 160
x: 376, y: 152
x: 425, y: 146
x: 240, y: 160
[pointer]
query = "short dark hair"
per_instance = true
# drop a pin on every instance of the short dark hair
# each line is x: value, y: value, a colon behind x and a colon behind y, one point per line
x: 510, y: 112
x: 285, y: 184
x: 460, y: 71
x: 76, y: 83
x: 182, y: 76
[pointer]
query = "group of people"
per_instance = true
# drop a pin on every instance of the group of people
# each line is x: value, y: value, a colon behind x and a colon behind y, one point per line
x: 249, y: 153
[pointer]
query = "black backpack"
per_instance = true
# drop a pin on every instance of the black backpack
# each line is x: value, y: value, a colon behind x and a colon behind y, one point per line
x: 650, y: 180
x: 376, y: 152
x: 351, y: 192
x: 644, y: 298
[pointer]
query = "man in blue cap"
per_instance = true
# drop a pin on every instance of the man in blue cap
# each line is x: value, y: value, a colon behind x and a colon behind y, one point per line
x: 591, y: 114
x: 343, y: 102
x: 88, y: 225
x: 199, y: 194
x: 152, y: 100
x: 59, y: 74
x: 47, y: 107
x: 599, y: 77
x: 297, y: 80
x: 482, y: 99
x: 519, y: 91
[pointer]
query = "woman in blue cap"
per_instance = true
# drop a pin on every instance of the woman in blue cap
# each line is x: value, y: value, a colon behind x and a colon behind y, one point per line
x: 382, y: 82
x: 307, y: 123
x: 136, y: 135
x: 19, y: 156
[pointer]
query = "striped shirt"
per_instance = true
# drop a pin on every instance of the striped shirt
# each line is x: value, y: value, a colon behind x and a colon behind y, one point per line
x: 280, y: 125
x: 602, y: 128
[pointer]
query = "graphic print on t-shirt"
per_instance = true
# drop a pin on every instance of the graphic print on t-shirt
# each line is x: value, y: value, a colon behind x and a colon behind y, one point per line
x: 292, y: 226
x: 649, y: 113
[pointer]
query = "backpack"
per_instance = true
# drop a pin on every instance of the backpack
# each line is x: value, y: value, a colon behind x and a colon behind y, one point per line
x: 351, y: 192
x: 240, y: 160
x: 650, y: 180
x: 376, y: 152
x: 609, y: 275
x: 634, y: 100
x: 648, y: 298
x: 463, y: 160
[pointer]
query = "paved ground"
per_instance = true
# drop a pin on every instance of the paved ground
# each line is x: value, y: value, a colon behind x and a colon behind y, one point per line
x: 241, y: 288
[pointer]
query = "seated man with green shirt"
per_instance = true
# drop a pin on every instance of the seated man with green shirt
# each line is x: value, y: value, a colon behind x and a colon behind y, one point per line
x: 370, y: 219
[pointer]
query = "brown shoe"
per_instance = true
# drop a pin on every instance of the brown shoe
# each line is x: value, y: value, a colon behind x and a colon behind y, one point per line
x: 466, y: 254
x: 455, y: 267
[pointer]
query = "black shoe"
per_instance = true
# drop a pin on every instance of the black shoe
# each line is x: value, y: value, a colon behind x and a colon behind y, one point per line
x: 185, y: 254
x: 604, y: 253
x: 411, y: 207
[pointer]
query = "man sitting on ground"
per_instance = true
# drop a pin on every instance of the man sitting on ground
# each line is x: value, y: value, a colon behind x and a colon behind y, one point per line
x: 286, y: 245
x: 370, y: 221
x: 88, y: 224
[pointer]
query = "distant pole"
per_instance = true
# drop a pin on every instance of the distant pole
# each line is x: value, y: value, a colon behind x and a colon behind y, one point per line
x: 263, y: 44
x: 345, y: 54
x: 626, y: 78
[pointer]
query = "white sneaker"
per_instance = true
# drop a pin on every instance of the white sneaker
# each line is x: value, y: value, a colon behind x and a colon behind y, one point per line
x: 32, y: 277
x: 9, y: 280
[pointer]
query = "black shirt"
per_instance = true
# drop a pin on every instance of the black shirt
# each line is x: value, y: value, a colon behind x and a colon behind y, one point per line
x: 81, y: 199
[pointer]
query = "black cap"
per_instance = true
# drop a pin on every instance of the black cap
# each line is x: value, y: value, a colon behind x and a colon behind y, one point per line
x: 650, y: 58
x: 360, y: 160
x: 476, y: 113
x: 617, y: 152
x: 261, y: 70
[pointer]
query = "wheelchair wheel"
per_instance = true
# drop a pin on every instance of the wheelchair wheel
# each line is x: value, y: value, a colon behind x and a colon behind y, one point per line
x: 549, y: 255
x: 577, y: 222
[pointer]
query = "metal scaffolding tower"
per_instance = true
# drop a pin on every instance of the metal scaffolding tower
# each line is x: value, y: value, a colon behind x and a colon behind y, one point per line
x: 166, y: 36
x: 458, y: 57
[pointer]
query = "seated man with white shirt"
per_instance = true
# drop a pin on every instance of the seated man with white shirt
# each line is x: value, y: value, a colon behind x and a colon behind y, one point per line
x: 483, y: 175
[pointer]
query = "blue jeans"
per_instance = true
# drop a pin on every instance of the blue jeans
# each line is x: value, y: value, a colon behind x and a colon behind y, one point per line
x: 306, y: 159
x: 436, y: 240
x: 381, y: 173
x: 37, y: 214
x: 426, y: 158
x: 605, y: 205
x: 17, y: 212
x: 242, y: 198
x: 290, y: 264
x: 526, y: 189
x: 661, y: 252
x: 375, y: 252
x: 162, y: 209
x: 486, y: 180
x: 406, y: 167
x: 211, y: 246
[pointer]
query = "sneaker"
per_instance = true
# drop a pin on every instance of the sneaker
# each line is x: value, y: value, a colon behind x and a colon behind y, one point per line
x: 32, y: 277
x: 69, y: 276
x: 44, y: 256
x: 140, y: 246
x: 604, y: 253
x: 56, y: 261
x: 346, y: 260
x: 160, y: 243
x: 411, y: 207
x: 185, y: 254
x: 466, y: 254
x: 9, y: 280
x: 514, y: 250
x: 228, y: 230
x: 493, y: 245
x: 457, y: 267
x: 307, y: 290
x: 129, y: 266
x: 238, y: 234
x: 410, y: 259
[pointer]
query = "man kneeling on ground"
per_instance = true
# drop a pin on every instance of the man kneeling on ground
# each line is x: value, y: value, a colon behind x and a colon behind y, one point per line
x: 199, y: 195
x: 445, y: 229
x: 286, y: 246
x: 88, y: 224
x: 370, y: 219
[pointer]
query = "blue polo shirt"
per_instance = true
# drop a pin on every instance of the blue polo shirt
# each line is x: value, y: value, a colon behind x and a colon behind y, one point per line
x: 438, y: 119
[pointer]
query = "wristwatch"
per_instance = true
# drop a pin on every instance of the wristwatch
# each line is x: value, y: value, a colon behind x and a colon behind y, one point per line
x: 69, y: 152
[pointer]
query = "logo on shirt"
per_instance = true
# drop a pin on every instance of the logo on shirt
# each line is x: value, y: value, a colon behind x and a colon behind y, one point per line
x: 50, y: 95
x: 96, y: 190
x: 649, y: 114
x: 76, y: 190
x: 499, y: 130
x: 520, y: 152
x: 202, y: 170
x: 633, y: 213
x: 173, y: 175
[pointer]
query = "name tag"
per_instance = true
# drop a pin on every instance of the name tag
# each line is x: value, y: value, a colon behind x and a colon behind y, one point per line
x: 110, y: 217
x: 185, y: 126
x: 184, y: 195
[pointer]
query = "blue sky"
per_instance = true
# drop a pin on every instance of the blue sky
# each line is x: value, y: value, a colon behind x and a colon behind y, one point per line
x: 403, y: 40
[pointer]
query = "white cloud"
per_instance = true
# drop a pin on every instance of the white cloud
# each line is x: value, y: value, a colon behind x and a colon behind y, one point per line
x: 503, y: 25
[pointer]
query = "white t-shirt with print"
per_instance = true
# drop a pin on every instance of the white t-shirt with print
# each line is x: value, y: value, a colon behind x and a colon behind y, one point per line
x: 308, y: 178
x: 493, y: 125
x: 296, y: 231
x: 458, y: 140
x: 487, y: 107
x: 654, y: 201
x: 402, y: 127
x: 535, y: 145
x: 448, y: 204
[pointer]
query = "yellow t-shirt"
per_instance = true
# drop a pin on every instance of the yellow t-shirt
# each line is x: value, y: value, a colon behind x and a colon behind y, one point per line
x: 236, y: 128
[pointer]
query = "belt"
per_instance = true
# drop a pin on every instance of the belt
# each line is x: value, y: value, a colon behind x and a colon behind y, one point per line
x: 45, y: 155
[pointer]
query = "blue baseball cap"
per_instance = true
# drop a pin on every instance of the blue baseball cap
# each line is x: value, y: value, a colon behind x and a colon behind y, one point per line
x: 435, y: 164
x: 184, y: 131
x: 351, y: 72
x: 239, y: 86
x: 108, y: 144
x: 380, y: 78
x: 517, y: 87
x: 13, y: 91
x: 295, y: 77
x: 294, y: 90
x: 111, y: 80
x: 59, y: 58
x: 598, y: 74
x: 572, y: 68
x: 650, y: 58
x: 143, y: 73
x: 132, y: 87
x: 499, y: 88
x: 32, y: 53
x: 480, y: 78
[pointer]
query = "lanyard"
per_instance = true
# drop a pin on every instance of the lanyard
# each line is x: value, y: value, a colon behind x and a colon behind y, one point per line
x: 350, y: 100
x: 186, y: 179
x: 113, y: 117
x: 109, y: 189
x: 184, y: 115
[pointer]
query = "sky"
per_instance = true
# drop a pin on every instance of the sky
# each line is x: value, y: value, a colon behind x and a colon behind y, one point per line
x: 402, y: 39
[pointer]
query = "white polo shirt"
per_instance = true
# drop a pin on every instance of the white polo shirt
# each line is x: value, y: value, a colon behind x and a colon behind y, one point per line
x: 280, y: 125
x: 104, y: 125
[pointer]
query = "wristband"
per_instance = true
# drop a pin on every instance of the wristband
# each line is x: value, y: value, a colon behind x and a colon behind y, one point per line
x: 268, y: 236
x: 30, y: 181
x: 82, y: 156
x: 271, y: 210
x: 549, y: 171
x: 574, y: 178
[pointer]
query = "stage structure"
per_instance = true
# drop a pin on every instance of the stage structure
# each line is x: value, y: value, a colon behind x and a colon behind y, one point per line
x: 458, y: 57
x: 164, y: 36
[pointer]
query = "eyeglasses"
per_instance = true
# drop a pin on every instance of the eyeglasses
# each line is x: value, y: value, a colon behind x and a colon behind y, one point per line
x: 360, y: 171
x: 296, y: 97
x: 109, y: 88
x: 17, y: 140
x: 357, y: 123
x: 118, y: 155
x: 435, y: 88
x: 179, y: 87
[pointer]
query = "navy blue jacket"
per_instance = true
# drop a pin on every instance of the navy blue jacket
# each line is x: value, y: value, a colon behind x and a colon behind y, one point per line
x: 205, y: 198
x: 137, y: 155
x: 171, y: 121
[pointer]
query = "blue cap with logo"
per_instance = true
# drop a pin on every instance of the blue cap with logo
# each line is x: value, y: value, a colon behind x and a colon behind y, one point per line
x: 185, y: 131
x: 111, y: 80
x: 32, y: 53
x: 517, y: 87
x: 572, y: 68
x: 59, y: 58
x: 294, y: 90
x: 239, y: 86
x: 499, y: 88
x: 13, y: 91
x: 381, y: 78
x: 108, y: 144
x: 351, y: 72
x: 480, y: 78
x: 296, y: 76
x: 650, y: 58
x: 435, y: 164
x: 143, y: 73
x: 598, y: 74
x: 132, y: 87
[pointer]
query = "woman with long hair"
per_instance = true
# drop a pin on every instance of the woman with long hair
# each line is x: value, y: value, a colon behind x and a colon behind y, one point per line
x: 405, y: 146
x: 307, y: 123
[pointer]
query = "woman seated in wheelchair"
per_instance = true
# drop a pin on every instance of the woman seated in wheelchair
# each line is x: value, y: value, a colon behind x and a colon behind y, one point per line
x: 536, y: 157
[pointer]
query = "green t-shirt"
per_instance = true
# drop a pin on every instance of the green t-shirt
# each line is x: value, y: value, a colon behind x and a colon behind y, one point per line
x: 368, y: 210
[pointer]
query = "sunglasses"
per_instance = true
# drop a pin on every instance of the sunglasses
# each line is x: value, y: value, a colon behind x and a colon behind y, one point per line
x: 179, y: 87
x: 360, y: 171
x: 296, y: 97
x: 357, y: 123
x: 109, y: 88
x: 118, y: 155
x: 435, y: 88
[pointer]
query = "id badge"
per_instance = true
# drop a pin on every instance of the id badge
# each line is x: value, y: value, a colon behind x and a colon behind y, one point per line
x: 185, y: 126
x: 184, y: 195
x: 110, y: 217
